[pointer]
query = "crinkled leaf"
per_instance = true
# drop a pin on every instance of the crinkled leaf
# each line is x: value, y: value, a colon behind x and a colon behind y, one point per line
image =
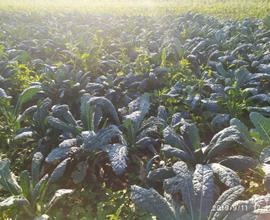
x: 182, y: 183
x: 7, y: 178
x: 203, y: 184
x: 224, y: 202
x: 147, y: 143
x: 106, y: 107
x: 59, y: 171
x: 243, y: 207
x: 102, y: 138
x: 141, y: 104
x: 221, y: 71
x: 62, y: 112
x: 259, y: 99
x: 135, y: 117
x: 162, y: 113
x: 151, y: 123
x: 62, y: 126
x: 132, y: 124
x: 175, y: 152
x: 160, y: 174
x: 225, y: 175
x: 42, y: 112
x: 118, y: 156
x: 183, y: 177
x: 151, y: 201
x: 192, y: 133
x: 220, y: 121
x: 242, y: 76
x: 240, y: 125
x: 60, y: 153
x: 85, y: 136
x: 37, y: 161
x: 176, y: 119
x: 239, y: 163
x: 174, y: 139
x: 226, y: 139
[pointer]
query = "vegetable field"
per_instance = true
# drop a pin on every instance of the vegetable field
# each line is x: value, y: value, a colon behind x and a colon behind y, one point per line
x: 135, y: 110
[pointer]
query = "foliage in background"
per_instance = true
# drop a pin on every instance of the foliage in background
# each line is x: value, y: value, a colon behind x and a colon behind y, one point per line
x: 226, y: 9
x: 179, y: 103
